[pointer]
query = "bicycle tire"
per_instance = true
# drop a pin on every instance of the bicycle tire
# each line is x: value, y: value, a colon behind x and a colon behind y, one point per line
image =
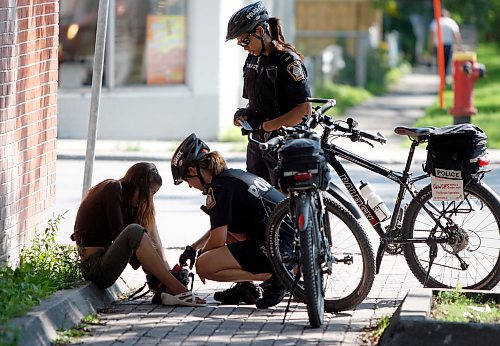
x: 477, y: 239
x: 350, y: 284
x: 310, y: 263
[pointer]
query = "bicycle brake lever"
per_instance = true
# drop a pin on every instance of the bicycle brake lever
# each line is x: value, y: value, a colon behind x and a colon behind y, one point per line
x: 382, y: 138
x: 365, y: 141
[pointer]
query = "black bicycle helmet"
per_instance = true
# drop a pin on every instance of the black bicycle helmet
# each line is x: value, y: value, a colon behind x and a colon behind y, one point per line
x: 246, y: 19
x: 191, y: 149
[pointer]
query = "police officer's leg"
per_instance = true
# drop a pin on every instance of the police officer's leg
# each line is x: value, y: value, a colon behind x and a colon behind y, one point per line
x: 271, y: 160
x: 255, y: 164
x: 220, y: 265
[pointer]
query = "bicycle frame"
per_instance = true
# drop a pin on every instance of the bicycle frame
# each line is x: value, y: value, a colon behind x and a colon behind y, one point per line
x: 403, y: 179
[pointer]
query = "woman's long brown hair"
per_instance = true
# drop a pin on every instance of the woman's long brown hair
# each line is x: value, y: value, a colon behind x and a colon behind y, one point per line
x: 276, y: 32
x: 140, y: 177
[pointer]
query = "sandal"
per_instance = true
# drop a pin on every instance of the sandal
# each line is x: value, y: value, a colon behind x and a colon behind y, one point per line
x: 187, y: 298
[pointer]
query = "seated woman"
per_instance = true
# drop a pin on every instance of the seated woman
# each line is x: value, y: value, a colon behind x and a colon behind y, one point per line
x: 238, y: 203
x: 115, y: 224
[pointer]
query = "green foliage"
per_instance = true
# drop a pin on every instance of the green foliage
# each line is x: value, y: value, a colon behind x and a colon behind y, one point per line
x: 345, y: 95
x: 232, y: 134
x: 44, y: 268
x: 486, y: 100
x: 65, y: 337
x: 456, y: 306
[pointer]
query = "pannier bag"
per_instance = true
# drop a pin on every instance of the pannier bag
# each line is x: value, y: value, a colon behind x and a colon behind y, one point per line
x: 302, y: 155
x: 453, y: 151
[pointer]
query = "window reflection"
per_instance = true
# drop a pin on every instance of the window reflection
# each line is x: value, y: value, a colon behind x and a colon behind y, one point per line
x: 77, y: 28
x: 149, y: 42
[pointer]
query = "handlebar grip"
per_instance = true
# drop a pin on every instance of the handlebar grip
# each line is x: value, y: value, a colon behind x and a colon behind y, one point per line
x: 378, y: 138
x: 317, y: 100
x: 329, y: 104
x: 270, y: 144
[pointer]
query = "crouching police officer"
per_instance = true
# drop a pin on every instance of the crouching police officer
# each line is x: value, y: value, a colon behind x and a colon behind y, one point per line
x: 275, y: 83
x: 238, y: 203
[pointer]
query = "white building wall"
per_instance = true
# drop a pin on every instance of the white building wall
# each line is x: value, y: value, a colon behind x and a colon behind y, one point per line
x: 204, y: 105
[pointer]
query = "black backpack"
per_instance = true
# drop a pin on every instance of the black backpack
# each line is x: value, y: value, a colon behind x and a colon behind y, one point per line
x: 453, y: 151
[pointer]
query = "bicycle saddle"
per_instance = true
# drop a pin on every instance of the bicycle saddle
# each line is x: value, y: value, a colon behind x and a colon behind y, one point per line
x: 419, y: 134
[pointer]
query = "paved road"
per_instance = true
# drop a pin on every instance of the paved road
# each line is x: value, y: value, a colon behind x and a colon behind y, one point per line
x: 180, y: 220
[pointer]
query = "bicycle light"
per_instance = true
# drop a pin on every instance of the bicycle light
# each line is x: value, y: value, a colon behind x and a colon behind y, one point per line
x: 483, y: 161
x: 301, y: 177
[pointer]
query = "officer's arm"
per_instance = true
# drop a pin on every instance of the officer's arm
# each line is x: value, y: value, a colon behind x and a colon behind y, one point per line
x: 217, y: 238
x: 201, y: 242
x: 293, y: 117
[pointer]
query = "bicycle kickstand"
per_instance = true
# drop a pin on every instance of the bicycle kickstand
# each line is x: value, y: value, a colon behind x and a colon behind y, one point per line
x: 295, y: 282
x: 380, y: 253
x: 432, y: 256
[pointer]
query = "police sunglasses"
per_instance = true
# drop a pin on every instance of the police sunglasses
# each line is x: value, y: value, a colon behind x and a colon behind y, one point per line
x: 246, y: 41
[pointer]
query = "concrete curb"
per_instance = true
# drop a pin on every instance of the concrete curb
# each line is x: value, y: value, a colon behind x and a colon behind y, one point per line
x: 62, y: 310
x: 411, y: 324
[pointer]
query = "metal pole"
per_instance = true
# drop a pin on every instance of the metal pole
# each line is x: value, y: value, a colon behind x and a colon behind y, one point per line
x: 97, y: 72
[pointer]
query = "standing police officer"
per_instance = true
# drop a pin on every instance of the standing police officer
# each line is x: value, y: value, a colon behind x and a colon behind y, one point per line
x: 275, y: 83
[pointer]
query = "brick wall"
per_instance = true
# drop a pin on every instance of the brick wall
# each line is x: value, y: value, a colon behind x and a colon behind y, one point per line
x: 28, y: 119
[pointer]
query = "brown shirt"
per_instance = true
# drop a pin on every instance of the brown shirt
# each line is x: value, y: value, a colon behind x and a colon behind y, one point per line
x: 101, y: 216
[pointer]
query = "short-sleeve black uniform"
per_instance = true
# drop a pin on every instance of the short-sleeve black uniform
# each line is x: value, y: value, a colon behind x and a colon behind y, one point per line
x: 273, y: 84
x: 243, y: 202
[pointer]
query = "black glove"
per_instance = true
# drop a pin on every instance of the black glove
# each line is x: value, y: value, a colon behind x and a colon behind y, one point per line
x: 188, y: 254
x: 240, y: 112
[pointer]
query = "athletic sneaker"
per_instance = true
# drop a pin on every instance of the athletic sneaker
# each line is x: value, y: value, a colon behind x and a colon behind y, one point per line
x: 240, y: 293
x: 274, y: 292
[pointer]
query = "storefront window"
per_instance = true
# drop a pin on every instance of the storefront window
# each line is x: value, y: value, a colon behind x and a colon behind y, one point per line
x: 149, y: 42
x: 77, y: 28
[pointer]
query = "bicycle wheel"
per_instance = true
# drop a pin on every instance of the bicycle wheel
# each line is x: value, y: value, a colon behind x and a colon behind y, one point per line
x: 470, y: 257
x: 354, y: 265
x: 310, y: 261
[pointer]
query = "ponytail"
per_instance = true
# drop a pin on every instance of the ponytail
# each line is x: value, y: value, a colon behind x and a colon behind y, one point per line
x: 214, y: 163
x: 276, y: 32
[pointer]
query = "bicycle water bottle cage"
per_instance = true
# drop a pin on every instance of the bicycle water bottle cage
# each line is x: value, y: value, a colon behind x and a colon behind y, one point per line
x: 302, y: 165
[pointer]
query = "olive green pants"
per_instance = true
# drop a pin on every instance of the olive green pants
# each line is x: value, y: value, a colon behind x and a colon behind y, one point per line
x: 105, y: 266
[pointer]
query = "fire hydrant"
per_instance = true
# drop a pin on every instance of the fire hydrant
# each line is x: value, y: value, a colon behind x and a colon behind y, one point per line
x: 465, y: 72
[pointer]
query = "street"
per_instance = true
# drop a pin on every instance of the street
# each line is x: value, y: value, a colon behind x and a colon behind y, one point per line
x: 180, y: 221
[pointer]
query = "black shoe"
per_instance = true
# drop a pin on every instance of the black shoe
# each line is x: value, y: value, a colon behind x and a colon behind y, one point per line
x: 156, y: 298
x: 241, y: 293
x: 274, y: 292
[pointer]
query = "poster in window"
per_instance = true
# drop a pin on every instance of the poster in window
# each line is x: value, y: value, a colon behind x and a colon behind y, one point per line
x: 165, y: 49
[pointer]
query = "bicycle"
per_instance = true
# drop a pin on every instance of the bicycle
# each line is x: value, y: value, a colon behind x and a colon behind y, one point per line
x: 309, y: 217
x: 466, y: 231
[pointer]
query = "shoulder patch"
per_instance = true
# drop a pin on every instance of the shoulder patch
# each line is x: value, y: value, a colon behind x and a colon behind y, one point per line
x: 296, y: 71
x: 210, y: 202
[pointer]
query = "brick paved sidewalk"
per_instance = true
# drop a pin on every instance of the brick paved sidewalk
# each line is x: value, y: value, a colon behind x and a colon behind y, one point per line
x: 142, y: 323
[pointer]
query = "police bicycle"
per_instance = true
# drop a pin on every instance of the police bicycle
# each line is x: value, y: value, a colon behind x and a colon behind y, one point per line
x: 326, y: 234
x: 446, y: 243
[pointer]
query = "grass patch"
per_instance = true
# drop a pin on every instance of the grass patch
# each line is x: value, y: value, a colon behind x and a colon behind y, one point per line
x: 345, y: 95
x: 233, y: 134
x: 457, y: 306
x: 45, y: 267
x: 486, y: 100
x: 70, y: 336
x: 373, y: 334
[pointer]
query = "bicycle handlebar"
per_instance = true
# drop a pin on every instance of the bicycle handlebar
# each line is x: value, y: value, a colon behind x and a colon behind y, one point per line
x: 310, y: 122
x: 357, y: 135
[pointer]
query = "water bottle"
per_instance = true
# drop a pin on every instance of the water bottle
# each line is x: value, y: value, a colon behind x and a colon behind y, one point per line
x: 374, y: 201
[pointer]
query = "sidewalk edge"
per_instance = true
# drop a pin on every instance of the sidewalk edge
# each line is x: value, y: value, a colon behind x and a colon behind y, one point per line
x: 63, y: 310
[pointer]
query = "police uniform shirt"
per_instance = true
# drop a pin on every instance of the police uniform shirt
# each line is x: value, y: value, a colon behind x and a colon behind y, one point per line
x: 268, y: 99
x: 234, y: 199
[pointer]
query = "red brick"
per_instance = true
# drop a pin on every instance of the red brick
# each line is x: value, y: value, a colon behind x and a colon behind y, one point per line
x: 28, y: 119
